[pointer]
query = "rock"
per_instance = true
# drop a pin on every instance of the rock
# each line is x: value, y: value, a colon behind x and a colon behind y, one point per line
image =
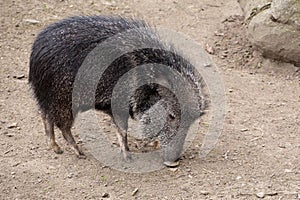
x: 286, y: 12
x: 16, y: 164
x: 251, y: 6
x: 244, y: 129
x: 173, y: 169
x: 70, y: 175
x: 288, y: 171
x: 12, y: 125
x: 10, y: 135
x: 32, y: 21
x: 39, y: 181
x: 219, y: 34
x: 6, y: 152
x: 203, y: 192
x: 105, y: 195
x: 260, y: 195
x: 275, y: 40
x: 21, y: 76
x: 274, y: 28
x: 134, y: 191
x: 209, y: 49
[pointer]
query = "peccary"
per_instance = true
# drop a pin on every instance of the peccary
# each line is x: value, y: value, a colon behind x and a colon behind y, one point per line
x: 57, y: 55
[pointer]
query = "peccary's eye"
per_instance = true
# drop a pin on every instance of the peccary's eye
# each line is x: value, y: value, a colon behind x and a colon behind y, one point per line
x: 172, y: 117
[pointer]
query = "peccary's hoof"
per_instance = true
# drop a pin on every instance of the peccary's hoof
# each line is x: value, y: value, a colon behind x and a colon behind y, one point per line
x: 79, y: 152
x: 57, y: 150
x: 171, y: 164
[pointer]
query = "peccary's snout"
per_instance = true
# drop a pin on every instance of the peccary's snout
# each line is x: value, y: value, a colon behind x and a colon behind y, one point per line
x: 172, y: 143
x: 172, y: 153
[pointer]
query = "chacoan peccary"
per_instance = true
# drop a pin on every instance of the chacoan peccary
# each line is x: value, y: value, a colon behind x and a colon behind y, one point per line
x: 59, y: 51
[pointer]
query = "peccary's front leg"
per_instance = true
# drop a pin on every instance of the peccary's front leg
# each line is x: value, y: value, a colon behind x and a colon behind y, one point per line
x: 122, y: 139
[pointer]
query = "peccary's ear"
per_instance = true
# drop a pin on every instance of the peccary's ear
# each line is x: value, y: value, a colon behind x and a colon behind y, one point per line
x: 162, y: 91
x: 162, y: 81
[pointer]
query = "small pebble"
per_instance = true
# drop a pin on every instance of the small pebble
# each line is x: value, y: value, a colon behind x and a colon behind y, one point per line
x: 260, y: 194
x: 288, y: 171
x: 208, y: 65
x: 282, y: 146
x: 12, y: 125
x: 51, y: 167
x: 219, y: 33
x: 244, y: 129
x: 19, y: 76
x: 105, y: 195
x: 32, y: 21
x: 209, y: 49
x: 70, y: 175
x: 6, y: 152
x: 173, y: 169
x: 204, y: 192
x: 9, y: 134
x: 16, y: 164
x: 134, y: 191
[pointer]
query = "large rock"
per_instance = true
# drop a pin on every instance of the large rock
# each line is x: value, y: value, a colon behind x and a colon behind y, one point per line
x: 274, y: 28
x: 286, y: 12
x: 250, y: 6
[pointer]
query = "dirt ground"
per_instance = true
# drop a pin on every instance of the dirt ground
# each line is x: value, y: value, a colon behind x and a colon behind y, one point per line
x: 257, y: 155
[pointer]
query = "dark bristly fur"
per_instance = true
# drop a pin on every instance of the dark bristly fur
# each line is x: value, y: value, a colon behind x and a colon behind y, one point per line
x: 60, y: 49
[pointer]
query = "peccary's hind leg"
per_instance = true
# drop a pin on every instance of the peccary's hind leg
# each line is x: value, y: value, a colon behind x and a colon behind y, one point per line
x: 66, y: 132
x: 49, y: 129
x: 122, y: 139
